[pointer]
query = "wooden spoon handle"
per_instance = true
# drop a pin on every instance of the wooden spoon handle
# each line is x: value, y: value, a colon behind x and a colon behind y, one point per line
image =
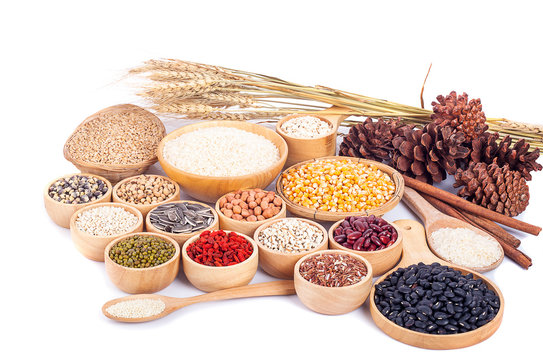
x: 415, y: 248
x: 281, y: 287
x: 419, y: 205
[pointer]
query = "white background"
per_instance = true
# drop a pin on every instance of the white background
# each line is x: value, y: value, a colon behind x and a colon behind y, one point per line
x: 61, y: 62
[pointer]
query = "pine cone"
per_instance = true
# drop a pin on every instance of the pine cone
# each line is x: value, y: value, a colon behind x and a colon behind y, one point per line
x: 495, y: 187
x: 457, y: 112
x: 370, y: 140
x: 428, y: 154
x: 486, y: 148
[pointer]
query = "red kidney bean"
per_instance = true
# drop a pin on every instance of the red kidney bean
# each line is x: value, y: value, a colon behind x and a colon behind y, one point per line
x: 340, y: 238
x: 348, y: 231
x: 376, y: 227
x: 358, y: 244
x: 384, y: 239
x: 354, y: 235
x: 345, y: 224
x: 365, y: 233
x: 338, y: 231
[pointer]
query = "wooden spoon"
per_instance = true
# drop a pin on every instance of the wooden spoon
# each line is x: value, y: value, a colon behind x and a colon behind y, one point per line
x: 415, y: 250
x: 434, y: 220
x: 282, y: 287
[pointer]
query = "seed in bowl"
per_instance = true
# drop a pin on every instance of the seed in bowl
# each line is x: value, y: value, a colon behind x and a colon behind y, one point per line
x: 250, y: 205
x: 106, y: 221
x: 221, y: 151
x: 141, y: 251
x: 291, y: 236
x: 77, y: 189
x: 337, y: 185
x: 306, y: 127
x: 146, y: 190
x: 333, y: 270
x: 365, y: 233
x: 181, y: 217
x: 218, y: 248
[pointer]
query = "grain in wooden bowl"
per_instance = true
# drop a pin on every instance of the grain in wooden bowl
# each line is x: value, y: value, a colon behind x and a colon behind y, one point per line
x: 209, y: 159
x: 62, y: 196
x: 332, y: 282
x: 116, y: 142
x: 334, y: 187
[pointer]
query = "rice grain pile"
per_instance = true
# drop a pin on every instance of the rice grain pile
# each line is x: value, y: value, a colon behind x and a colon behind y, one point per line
x: 465, y: 247
x: 138, y: 308
x: 221, y: 151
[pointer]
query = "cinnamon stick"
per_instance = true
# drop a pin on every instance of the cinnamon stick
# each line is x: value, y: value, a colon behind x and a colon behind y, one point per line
x: 465, y: 205
x: 485, y: 225
x: 510, y: 251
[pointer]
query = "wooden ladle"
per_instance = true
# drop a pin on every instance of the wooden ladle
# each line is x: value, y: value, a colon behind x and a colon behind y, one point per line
x: 282, y: 287
x: 434, y: 220
x: 415, y: 250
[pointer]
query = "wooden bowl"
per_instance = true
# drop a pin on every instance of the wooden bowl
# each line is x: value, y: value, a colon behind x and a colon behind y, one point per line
x: 92, y: 247
x: 381, y: 260
x: 332, y: 300
x: 115, y: 173
x: 181, y: 238
x: 300, y: 149
x: 245, y: 227
x: 210, y: 188
x: 415, y: 251
x: 335, y: 216
x: 280, y: 264
x: 146, y: 280
x: 144, y: 209
x: 212, y: 278
x: 62, y: 213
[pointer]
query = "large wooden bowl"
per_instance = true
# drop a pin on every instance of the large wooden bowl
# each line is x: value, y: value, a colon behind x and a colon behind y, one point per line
x: 62, y: 213
x: 181, y: 238
x: 416, y: 250
x: 146, y: 280
x: 92, y: 247
x: 115, y: 173
x: 314, y: 214
x: 210, y: 188
x: 332, y: 300
x: 143, y: 208
x: 213, y: 278
x: 245, y: 227
x: 280, y: 264
x: 381, y: 260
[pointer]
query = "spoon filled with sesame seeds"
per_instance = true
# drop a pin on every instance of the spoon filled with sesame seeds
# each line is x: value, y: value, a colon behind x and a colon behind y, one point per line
x: 147, y: 307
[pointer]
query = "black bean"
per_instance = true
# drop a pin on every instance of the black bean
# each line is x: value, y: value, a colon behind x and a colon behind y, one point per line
x: 442, y: 322
x: 425, y: 310
x: 438, y: 286
x: 404, y: 289
x: 409, y: 323
x: 451, y: 328
x: 405, y: 303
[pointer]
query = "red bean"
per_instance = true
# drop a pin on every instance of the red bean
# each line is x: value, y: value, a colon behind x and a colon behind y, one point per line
x: 365, y: 233
x: 384, y: 239
x: 354, y: 235
x: 340, y: 238
x: 338, y: 231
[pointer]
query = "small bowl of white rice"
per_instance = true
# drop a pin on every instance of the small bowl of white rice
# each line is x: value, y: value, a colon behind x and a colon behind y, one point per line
x: 209, y: 159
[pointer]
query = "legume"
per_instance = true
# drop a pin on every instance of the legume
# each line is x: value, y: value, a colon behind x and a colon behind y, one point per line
x: 221, y: 151
x: 142, y: 251
x: 146, y: 190
x: 106, y: 221
x: 306, y: 127
x: 337, y: 185
x: 465, y: 247
x: 291, y: 236
x: 181, y: 217
x: 435, y: 299
x: 137, y: 308
x: 250, y: 205
x: 219, y: 248
x: 333, y: 270
x: 369, y: 233
x: 77, y: 189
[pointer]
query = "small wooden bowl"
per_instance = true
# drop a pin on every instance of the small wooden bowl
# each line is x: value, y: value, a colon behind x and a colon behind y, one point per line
x: 146, y: 280
x: 280, y: 264
x: 181, y: 238
x: 92, y: 247
x: 381, y: 260
x: 212, y: 278
x: 332, y: 300
x: 210, y: 188
x: 245, y: 227
x: 335, y: 216
x: 62, y: 213
x: 115, y: 173
x: 144, y: 209
x: 302, y: 149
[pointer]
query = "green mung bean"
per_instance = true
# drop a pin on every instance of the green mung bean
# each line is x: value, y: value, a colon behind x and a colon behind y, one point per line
x: 141, y: 251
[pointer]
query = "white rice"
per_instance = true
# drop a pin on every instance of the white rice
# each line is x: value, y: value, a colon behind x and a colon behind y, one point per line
x: 221, y: 151
x: 465, y: 247
x: 138, y: 308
